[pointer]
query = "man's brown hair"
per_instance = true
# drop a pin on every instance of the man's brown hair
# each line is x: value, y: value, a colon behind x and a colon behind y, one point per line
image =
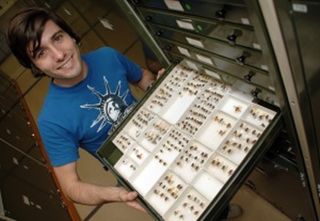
x: 26, y: 28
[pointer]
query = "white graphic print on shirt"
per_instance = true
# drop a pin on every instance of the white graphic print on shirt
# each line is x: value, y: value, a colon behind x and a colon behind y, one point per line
x: 111, y: 105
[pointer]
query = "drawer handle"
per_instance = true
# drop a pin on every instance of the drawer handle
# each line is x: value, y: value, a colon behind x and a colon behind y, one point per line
x: 159, y: 33
x: 241, y: 59
x: 148, y: 18
x: 232, y: 38
x: 221, y: 14
x: 168, y: 47
x: 251, y: 185
x: 255, y: 92
x: 176, y: 60
x: 280, y: 167
x: 249, y: 76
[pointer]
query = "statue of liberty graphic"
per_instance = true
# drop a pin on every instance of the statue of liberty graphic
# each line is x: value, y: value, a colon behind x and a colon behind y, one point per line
x: 111, y: 106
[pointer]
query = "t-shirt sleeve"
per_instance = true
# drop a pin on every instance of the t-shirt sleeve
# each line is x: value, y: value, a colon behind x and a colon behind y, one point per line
x: 133, y: 70
x: 58, y: 142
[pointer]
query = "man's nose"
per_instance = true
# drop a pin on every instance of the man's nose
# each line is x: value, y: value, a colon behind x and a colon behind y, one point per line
x: 58, y: 53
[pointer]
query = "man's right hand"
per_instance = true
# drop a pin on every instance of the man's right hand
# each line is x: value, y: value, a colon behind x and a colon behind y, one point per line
x: 91, y: 194
x: 130, y: 199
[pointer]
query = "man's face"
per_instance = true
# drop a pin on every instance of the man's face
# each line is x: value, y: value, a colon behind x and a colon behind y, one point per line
x: 58, y: 56
x: 113, y: 110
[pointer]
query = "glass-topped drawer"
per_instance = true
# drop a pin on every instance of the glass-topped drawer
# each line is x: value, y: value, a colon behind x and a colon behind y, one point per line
x: 240, y: 55
x: 232, y: 11
x: 189, y: 144
x: 225, y: 66
x: 234, y: 35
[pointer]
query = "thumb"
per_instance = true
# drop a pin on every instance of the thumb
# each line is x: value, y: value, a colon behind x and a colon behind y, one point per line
x: 128, y: 196
x: 160, y: 73
x: 131, y: 196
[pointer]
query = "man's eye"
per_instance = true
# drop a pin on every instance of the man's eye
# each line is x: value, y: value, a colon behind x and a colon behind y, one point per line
x: 41, y: 53
x: 58, y: 37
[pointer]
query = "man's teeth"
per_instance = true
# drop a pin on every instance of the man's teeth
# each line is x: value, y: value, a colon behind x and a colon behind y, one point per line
x: 66, y: 65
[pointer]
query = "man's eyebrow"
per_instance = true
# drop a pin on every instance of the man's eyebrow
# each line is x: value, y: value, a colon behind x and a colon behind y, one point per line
x: 57, y: 33
x: 38, y: 48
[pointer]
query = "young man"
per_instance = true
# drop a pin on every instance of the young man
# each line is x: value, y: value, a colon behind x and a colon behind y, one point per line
x: 87, y: 95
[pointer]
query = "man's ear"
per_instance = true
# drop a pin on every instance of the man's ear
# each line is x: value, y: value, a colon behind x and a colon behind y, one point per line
x: 75, y: 41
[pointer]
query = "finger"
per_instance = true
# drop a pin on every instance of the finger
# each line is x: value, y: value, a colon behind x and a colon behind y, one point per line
x: 160, y: 73
x: 128, y: 196
x: 136, y: 205
x: 132, y: 195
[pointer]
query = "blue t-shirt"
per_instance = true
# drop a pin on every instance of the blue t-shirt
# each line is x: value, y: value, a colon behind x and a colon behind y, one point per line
x: 82, y: 115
